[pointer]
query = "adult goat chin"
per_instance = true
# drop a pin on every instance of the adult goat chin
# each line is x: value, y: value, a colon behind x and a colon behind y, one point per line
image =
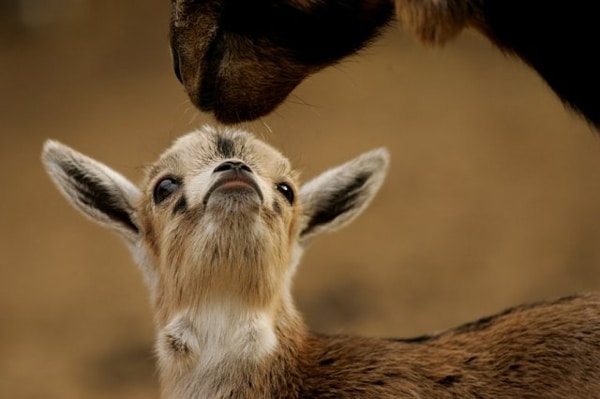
x: 240, y: 59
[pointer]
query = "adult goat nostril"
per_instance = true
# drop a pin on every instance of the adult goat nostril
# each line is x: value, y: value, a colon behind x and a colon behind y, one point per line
x: 232, y: 165
x: 176, y: 64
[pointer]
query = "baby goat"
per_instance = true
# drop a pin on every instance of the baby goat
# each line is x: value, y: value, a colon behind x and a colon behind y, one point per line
x: 240, y: 59
x: 218, y: 229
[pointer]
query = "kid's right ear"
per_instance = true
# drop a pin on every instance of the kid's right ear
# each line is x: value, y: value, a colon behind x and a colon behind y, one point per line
x: 101, y: 193
x: 337, y: 196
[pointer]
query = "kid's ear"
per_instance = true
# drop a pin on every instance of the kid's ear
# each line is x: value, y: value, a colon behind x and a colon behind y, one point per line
x: 101, y: 193
x: 337, y: 196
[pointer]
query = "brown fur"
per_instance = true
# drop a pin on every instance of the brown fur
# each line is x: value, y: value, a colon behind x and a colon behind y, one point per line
x: 177, y: 248
x: 244, y: 73
x: 433, y: 23
x: 546, y: 350
x: 240, y: 60
x: 219, y: 263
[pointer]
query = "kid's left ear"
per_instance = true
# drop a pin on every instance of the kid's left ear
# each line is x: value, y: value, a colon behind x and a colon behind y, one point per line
x: 99, y: 192
x: 337, y: 196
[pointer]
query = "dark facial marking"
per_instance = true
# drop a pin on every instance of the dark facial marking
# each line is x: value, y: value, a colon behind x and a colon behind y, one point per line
x: 180, y: 205
x: 177, y: 346
x: 93, y: 193
x: 277, y: 207
x: 226, y: 147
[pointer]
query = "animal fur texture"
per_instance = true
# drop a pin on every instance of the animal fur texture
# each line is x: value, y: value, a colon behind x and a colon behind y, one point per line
x: 240, y: 59
x: 218, y: 228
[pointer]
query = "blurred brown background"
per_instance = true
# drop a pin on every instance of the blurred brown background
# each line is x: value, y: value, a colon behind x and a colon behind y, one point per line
x: 493, y: 197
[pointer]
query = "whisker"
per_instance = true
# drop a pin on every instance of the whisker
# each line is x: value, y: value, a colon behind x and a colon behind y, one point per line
x: 265, y: 124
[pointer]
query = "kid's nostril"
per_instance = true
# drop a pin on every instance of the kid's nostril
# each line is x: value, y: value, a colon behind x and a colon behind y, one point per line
x: 232, y: 165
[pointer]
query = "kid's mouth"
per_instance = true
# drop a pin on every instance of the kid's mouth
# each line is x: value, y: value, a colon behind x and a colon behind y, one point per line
x: 235, y: 181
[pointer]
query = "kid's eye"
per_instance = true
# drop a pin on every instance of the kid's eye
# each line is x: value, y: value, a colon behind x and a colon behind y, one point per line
x: 164, y: 188
x: 286, y: 191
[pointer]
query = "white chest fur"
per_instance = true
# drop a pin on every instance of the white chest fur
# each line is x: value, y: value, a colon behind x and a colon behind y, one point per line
x: 203, y: 353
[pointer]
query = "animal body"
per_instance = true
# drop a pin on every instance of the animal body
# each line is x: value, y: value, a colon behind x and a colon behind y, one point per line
x: 240, y: 59
x: 218, y: 228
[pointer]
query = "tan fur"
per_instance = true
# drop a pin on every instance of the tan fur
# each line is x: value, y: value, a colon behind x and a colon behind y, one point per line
x: 231, y: 263
x: 436, y: 21
x: 219, y: 267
